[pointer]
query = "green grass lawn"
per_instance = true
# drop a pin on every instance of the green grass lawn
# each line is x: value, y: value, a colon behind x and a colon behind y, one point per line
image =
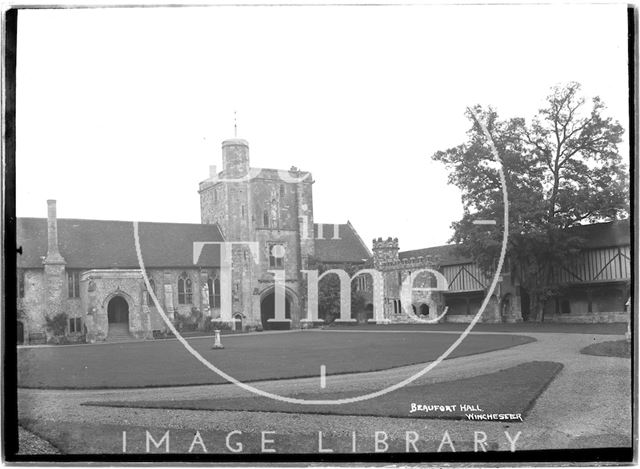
x: 613, y: 348
x: 245, y: 357
x: 510, y: 391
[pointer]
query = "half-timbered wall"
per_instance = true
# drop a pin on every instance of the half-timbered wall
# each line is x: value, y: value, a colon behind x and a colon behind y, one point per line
x: 596, y: 265
x: 465, y: 277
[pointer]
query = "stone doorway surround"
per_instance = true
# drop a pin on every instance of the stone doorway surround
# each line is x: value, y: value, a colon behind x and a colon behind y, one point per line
x: 99, y: 287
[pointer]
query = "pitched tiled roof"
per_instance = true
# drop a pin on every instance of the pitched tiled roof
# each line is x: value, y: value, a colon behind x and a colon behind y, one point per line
x: 596, y: 235
x: 600, y: 235
x: 101, y: 244
x: 349, y: 248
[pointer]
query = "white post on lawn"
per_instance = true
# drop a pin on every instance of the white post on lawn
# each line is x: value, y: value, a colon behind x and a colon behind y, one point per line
x: 217, y: 343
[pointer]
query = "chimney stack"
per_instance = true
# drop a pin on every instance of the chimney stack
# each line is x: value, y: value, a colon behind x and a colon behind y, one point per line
x: 53, y: 252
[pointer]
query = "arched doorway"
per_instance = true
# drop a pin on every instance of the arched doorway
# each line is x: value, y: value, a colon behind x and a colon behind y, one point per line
x: 268, y: 308
x: 525, y: 304
x: 505, y: 310
x: 237, y: 322
x: 20, y: 335
x: 369, y: 311
x: 424, y: 310
x: 118, y: 315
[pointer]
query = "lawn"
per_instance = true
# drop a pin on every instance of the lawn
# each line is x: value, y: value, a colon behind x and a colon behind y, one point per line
x: 245, y: 357
x: 511, y: 391
x: 613, y: 348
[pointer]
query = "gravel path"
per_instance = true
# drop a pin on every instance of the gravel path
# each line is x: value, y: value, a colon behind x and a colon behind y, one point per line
x: 587, y: 405
x: 33, y: 444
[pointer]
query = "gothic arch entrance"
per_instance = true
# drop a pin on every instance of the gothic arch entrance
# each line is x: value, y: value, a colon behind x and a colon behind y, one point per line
x: 237, y: 322
x: 118, y: 316
x: 268, y: 307
x: 505, y: 310
x: 369, y: 311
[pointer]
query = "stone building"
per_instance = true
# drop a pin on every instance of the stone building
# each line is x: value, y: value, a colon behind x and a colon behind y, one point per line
x: 594, y: 288
x: 89, y: 269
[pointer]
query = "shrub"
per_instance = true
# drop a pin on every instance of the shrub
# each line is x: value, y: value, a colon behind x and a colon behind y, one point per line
x: 57, y: 325
x: 196, y: 315
x: 189, y: 321
x: 213, y: 324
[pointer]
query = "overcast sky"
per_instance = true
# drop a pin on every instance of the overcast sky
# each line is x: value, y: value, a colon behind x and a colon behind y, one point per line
x: 120, y: 112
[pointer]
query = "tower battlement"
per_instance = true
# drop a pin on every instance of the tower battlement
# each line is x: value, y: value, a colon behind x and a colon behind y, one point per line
x: 235, y: 158
x: 385, y: 252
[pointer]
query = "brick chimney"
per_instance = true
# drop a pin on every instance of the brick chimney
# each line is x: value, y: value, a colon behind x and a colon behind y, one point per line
x: 54, y: 268
x: 53, y: 252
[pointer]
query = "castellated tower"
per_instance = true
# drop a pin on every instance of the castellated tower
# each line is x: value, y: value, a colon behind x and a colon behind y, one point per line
x: 396, y: 270
x: 385, y: 252
x: 273, y: 208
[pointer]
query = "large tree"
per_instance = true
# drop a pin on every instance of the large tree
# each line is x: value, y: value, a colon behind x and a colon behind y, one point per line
x: 561, y: 169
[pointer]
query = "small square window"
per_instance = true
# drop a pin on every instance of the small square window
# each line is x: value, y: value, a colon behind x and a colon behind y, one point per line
x: 276, y: 256
x: 75, y: 325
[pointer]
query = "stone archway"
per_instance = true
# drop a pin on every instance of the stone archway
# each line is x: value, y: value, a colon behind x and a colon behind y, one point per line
x: 268, y: 307
x: 505, y: 308
x: 118, y: 317
x: 237, y: 322
x: 369, y: 311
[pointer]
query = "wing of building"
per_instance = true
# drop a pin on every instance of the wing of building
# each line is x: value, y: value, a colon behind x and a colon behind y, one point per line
x: 88, y: 272
x: 595, y: 287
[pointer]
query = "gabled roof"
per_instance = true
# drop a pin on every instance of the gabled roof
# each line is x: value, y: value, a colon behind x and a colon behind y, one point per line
x: 600, y: 235
x: 349, y: 248
x: 104, y: 244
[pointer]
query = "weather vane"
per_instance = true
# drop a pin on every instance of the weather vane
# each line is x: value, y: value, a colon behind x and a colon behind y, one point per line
x: 235, y: 124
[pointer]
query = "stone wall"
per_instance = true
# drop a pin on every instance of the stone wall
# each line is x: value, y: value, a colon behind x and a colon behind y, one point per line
x: 32, y: 303
x: 99, y: 287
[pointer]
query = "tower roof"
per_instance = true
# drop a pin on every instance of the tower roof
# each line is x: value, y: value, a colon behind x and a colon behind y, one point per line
x: 235, y: 141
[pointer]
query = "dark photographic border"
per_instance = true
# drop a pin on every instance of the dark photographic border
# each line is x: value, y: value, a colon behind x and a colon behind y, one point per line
x: 9, y: 321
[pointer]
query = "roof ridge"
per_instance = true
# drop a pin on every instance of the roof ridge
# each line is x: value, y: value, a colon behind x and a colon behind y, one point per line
x: 118, y: 221
x: 355, y: 232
